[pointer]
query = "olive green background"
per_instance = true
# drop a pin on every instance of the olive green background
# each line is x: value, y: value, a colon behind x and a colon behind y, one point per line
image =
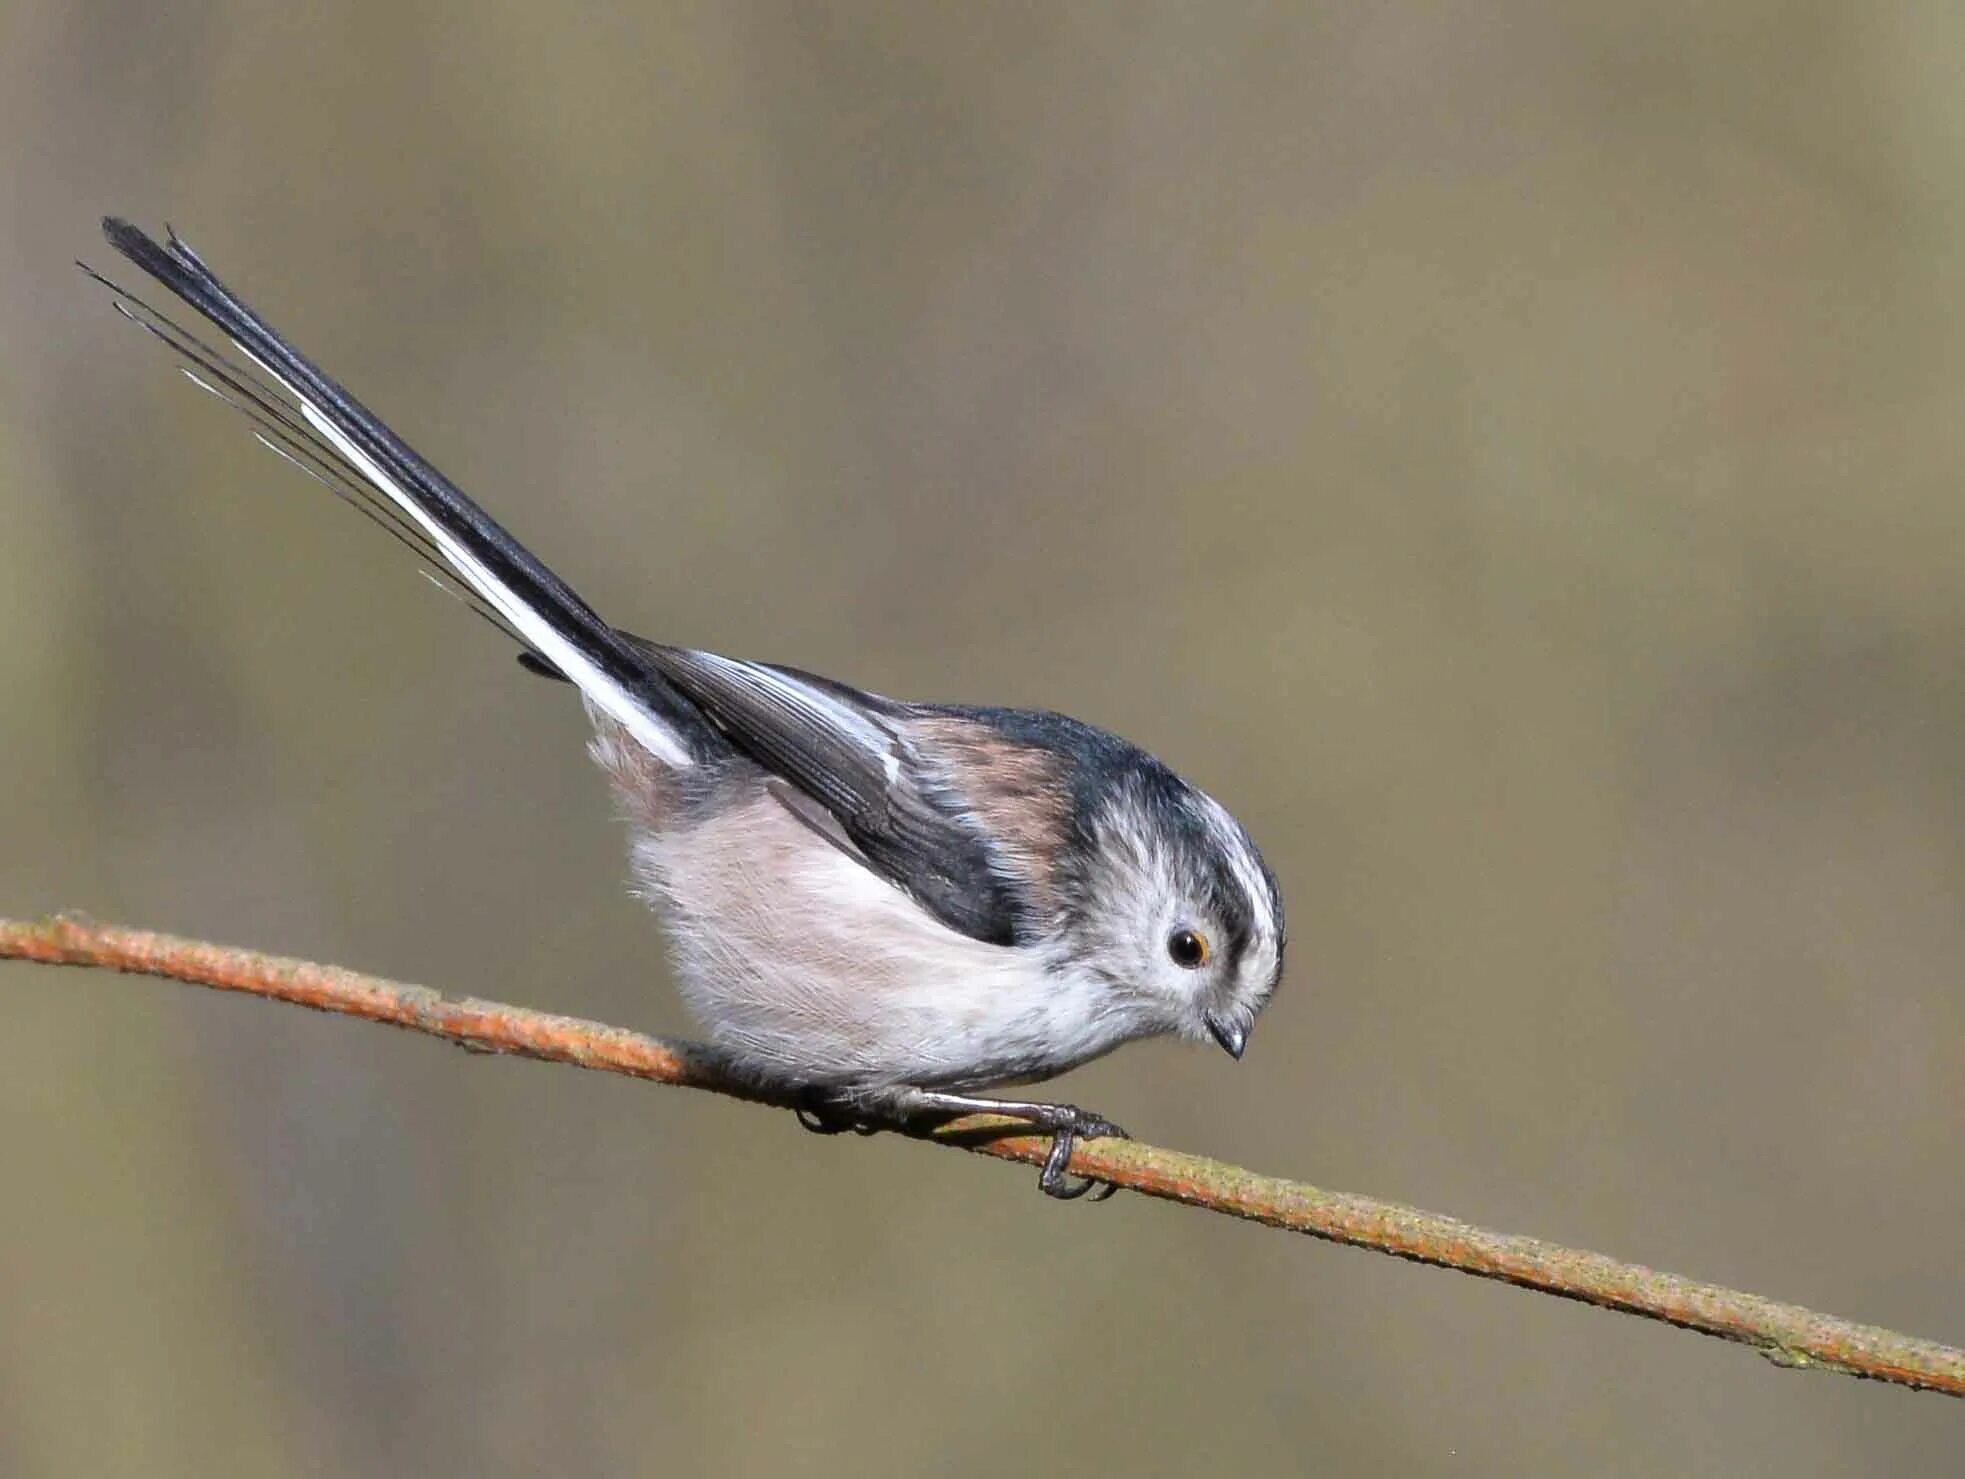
x: 1514, y: 455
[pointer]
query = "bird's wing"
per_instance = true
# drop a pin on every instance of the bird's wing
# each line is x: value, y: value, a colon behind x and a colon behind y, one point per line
x: 857, y: 755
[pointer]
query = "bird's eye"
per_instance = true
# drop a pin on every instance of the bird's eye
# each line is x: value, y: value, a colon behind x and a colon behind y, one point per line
x: 1187, y: 949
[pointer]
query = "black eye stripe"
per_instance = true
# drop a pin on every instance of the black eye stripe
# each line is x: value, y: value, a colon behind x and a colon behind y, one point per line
x: 1233, y: 915
x: 1215, y: 885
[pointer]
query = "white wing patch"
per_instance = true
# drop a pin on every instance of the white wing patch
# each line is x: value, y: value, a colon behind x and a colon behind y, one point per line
x: 838, y: 718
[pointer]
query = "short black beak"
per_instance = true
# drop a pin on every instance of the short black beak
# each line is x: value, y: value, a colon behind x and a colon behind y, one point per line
x: 1232, y: 1036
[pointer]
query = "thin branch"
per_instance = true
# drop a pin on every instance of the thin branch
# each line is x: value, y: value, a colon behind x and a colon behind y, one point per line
x: 1787, y: 1334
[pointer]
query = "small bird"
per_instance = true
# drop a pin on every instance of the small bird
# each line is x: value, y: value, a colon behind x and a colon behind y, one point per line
x: 874, y: 907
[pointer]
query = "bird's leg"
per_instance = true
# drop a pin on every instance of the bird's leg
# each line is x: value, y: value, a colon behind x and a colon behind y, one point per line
x: 1067, y: 1123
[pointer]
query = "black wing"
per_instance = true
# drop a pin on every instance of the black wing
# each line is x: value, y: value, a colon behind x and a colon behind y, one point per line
x: 851, y: 752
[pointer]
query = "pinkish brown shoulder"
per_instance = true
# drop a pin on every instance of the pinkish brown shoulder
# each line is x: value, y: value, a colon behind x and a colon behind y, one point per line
x: 1019, y: 792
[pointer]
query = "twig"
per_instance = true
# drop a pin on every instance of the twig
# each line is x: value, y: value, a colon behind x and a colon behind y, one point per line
x: 1787, y: 1334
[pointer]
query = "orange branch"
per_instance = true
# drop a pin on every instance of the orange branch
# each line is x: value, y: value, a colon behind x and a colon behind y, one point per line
x: 1787, y: 1334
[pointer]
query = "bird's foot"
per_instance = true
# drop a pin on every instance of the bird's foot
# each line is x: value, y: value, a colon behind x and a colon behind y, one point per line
x: 825, y: 1113
x: 829, y: 1112
x: 1067, y: 1123
x: 1079, y: 1125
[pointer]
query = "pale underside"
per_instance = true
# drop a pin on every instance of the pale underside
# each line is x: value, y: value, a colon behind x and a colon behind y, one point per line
x: 806, y: 968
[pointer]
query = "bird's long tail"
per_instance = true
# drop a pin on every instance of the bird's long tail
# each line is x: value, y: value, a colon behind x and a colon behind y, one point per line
x: 312, y: 422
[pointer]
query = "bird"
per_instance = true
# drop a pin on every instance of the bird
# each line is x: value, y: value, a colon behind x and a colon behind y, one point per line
x: 877, y: 909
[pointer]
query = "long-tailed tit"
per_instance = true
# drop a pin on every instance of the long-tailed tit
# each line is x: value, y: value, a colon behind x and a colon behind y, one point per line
x: 878, y: 907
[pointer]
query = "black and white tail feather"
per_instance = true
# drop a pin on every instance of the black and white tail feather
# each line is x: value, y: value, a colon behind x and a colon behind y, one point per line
x: 354, y: 452
x: 887, y: 904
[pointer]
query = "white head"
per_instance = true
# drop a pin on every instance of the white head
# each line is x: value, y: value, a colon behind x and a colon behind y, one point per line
x: 1169, y: 901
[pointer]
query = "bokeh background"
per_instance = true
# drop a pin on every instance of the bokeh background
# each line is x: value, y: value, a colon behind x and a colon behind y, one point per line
x: 1513, y: 454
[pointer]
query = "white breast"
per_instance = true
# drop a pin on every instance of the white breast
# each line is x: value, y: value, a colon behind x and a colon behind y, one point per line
x: 807, y: 968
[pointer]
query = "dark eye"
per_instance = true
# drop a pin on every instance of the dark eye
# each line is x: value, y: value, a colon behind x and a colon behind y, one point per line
x: 1187, y: 949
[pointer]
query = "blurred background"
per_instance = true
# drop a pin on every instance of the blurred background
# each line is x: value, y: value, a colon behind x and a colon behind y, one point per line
x: 1513, y: 455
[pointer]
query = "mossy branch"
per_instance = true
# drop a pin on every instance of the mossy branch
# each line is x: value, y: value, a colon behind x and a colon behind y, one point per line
x: 1787, y: 1334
